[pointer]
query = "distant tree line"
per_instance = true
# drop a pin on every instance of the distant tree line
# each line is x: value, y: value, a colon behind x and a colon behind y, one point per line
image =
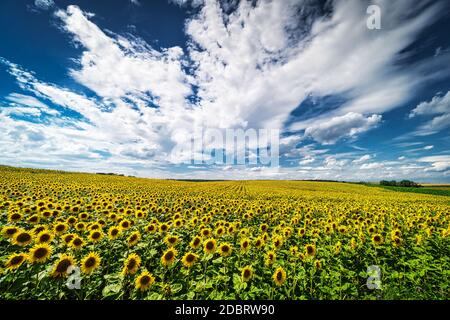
x: 403, y: 183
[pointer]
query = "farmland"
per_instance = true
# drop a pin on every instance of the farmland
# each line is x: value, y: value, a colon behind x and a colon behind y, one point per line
x: 87, y: 236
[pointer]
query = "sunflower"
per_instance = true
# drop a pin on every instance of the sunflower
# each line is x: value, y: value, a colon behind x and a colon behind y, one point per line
x: 279, y: 276
x: 62, y: 265
x: 90, y: 262
x: 14, y: 217
x: 337, y: 247
x: 318, y: 264
x: 397, y: 241
x: 246, y: 273
x: 15, y: 260
x: 133, y: 239
x: 163, y: 227
x: 22, y: 238
x: 38, y: 229
x: 67, y: 238
x: 114, y: 233
x: 220, y: 231
x: 131, y: 264
x: 259, y: 243
x: 33, y: 219
x: 95, y: 236
x: 40, y: 253
x: 125, y: 224
x: 301, y: 232
x: 205, y: 233
x: 60, y: 228
x: 196, y: 242
x: 270, y: 257
x: 144, y: 281
x: 225, y: 249
x: 76, y: 243
x: 210, y: 245
x: 278, y: 242
x: 189, y: 259
x: 9, y: 231
x: 310, y: 250
x: 171, y: 240
x: 80, y: 226
x: 151, y: 227
x: 168, y: 257
x: 245, y: 245
x: 377, y: 239
x: 293, y: 250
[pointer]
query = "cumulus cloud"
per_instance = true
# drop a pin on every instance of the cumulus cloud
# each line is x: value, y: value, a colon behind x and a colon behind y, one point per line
x: 438, y: 163
x: 348, y: 125
x: 439, y: 108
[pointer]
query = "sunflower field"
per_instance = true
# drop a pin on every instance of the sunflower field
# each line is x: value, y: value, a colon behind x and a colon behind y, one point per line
x: 89, y: 236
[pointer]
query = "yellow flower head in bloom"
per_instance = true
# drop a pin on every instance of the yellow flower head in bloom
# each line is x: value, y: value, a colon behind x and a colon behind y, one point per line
x: 90, y: 263
x: 171, y: 240
x: 62, y: 265
x: 95, y: 236
x: 245, y: 245
x: 377, y: 239
x: 189, y: 259
x: 77, y: 243
x: 318, y: 264
x: 22, y: 238
x: 60, y: 228
x: 259, y: 242
x: 133, y: 239
x: 9, y: 231
x: 114, y: 232
x: 67, y: 238
x: 196, y: 242
x: 210, y: 246
x: 247, y: 273
x: 279, y: 276
x: 310, y: 250
x: 225, y: 249
x: 144, y: 281
x: 15, y: 260
x: 270, y: 257
x: 40, y: 253
x: 168, y: 258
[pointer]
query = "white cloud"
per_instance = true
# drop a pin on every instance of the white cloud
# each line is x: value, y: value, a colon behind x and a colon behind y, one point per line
x: 428, y: 147
x: 439, y: 107
x: 363, y: 158
x: 371, y: 166
x: 44, y: 4
x: 401, y: 158
x: 438, y: 163
x: 348, y: 125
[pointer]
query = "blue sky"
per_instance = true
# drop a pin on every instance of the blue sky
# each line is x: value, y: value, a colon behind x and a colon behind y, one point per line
x: 113, y: 86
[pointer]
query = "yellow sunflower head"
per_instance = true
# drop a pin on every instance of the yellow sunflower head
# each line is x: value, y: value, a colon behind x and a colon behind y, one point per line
x: 40, y: 253
x: 189, y: 259
x: 131, y: 264
x: 60, y: 227
x: 246, y: 273
x: 90, y: 263
x: 133, y: 239
x: 279, y: 276
x: 270, y: 257
x: 225, y: 249
x: 95, y: 236
x: 196, y: 242
x: 62, y: 265
x: 310, y: 250
x: 76, y: 243
x: 245, y: 245
x: 9, y: 231
x: 210, y: 246
x: 168, y: 257
x: 377, y: 239
x: 144, y: 281
x: 15, y: 260
x: 171, y: 240
x: 114, y: 232
x: 22, y: 238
